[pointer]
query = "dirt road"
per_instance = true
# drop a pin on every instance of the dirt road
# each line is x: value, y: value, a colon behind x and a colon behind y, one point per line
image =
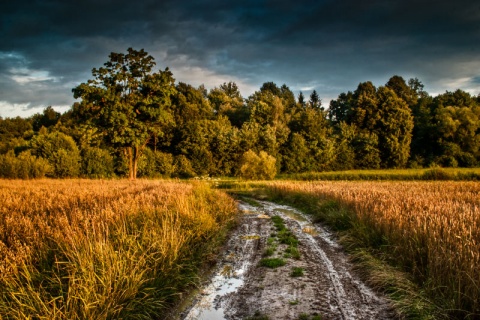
x: 315, y: 282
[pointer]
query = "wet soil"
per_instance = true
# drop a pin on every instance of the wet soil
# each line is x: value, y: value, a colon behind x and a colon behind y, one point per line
x: 326, y: 288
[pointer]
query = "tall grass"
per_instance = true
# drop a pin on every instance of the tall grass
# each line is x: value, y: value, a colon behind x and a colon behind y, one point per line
x: 437, y: 173
x: 81, y: 249
x: 430, y: 229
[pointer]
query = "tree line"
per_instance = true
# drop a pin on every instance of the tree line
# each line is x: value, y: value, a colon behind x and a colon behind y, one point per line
x: 132, y: 120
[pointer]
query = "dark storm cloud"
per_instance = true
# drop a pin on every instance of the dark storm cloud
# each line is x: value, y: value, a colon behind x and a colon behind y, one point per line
x: 50, y: 46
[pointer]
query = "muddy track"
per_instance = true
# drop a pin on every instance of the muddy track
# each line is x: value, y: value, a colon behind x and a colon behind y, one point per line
x: 328, y: 286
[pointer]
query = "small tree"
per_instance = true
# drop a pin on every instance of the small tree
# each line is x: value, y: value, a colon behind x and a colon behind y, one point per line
x: 257, y: 167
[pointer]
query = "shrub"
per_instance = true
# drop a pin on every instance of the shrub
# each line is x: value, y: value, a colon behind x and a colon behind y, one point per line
x: 97, y: 163
x: 60, y: 151
x: 257, y: 167
x: 25, y: 166
x: 155, y: 164
x: 183, y: 167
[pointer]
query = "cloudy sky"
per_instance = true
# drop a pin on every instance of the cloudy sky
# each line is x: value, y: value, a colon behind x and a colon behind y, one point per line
x: 47, y: 47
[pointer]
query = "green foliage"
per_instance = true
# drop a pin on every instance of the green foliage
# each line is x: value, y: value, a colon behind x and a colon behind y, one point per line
x: 61, y: 152
x: 48, y: 118
x: 24, y: 166
x: 183, y: 168
x: 131, y: 110
x: 163, y: 163
x: 227, y: 101
x: 437, y: 174
x: 257, y: 167
x: 128, y: 102
x: 296, y: 156
x: 155, y: 164
x: 97, y: 163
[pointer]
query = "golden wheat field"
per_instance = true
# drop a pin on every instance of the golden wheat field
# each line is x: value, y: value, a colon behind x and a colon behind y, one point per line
x: 86, y: 249
x: 431, y: 228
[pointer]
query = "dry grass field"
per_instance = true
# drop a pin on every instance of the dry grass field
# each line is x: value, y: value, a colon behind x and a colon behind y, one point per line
x: 430, y: 229
x: 92, y: 249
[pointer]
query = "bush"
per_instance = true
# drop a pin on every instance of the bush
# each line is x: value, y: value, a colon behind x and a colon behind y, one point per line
x: 61, y: 151
x: 97, y: 163
x: 32, y: 167
x: 183, y: 168
x: 155, y: 164
x: 25, y: 166
x: 164, y: 163
x: 257, y: 167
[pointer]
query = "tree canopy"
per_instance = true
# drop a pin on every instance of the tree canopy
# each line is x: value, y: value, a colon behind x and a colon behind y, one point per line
x: 128, y: 102
x: 133, y: 120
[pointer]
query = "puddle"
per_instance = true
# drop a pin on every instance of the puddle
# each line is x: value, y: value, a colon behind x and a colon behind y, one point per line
x: 292, y: 214
x: 207, y: 308
x: 251, y: 237
x: 310, y: 230
x: 230, y: 272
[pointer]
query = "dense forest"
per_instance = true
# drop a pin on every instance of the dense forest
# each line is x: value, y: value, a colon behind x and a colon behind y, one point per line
x: 134, y: 121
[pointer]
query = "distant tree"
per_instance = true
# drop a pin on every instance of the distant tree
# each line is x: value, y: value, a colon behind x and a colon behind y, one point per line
x: 315, y: 101
x: 272, y: 88
x: 23, y: 166
x: 48, y: 118
x: 183, y: 168
x: 364, y: 111
x: 404, y: 91
x: 128, y: 102
x: 296, y: 156
x: 288, y: 97
x: 393, y: 128
x: 457, y: 119
x: 190, y: 104
x: 417, y: 88
x: 424, y: 146
x: 227, y: 101
x: 341, y: 108
x: 194, y: 143
x: 367, y: 153
x: 301, y: 100
x: 11, y: 128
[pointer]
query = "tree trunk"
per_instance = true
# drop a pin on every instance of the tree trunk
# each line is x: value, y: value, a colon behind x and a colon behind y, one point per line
x: 131, y: 163
x: 135, y: 166
x: 134, y: 154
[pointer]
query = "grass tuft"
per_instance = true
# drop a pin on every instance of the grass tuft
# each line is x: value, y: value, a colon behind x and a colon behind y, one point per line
x: 296, y: 272
x: 272, y: 262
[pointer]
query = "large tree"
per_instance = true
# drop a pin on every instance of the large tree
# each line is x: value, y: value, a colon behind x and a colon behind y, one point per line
x: 128, y: 102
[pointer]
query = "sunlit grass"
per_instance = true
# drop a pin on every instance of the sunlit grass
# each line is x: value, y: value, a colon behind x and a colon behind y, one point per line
x: 82, y: 249
x: 429, y: 229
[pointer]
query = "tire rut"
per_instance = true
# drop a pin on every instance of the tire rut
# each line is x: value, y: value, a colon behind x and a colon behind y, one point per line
x: 329, y: 286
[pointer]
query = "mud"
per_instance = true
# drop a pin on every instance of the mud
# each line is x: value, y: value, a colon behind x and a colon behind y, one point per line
x: 328, y: 288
